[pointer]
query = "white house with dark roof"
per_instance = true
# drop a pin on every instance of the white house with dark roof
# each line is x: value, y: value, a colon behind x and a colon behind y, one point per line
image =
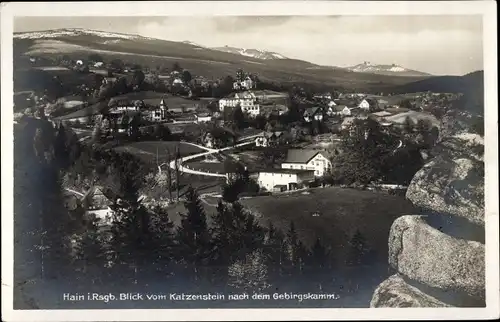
x: 338, y: 110
x: 313, y: 113
x: 278, y: 180
x: 304, y: 159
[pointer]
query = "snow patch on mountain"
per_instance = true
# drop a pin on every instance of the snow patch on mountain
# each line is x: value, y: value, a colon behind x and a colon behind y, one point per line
x: 193, y: 44
x: 69, y: 32
x: 255, y: 53
x: 393, y: 69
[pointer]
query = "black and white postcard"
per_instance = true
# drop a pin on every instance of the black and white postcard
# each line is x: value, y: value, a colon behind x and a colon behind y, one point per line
x: 265, y: 160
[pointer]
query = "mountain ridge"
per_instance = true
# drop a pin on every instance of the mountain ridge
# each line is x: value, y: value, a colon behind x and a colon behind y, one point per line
x: 385, y: 69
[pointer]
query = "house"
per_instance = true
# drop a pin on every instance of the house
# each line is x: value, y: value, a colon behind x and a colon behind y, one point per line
x: 304, y: 159
x: 246, y: 84
x: 203, y: 117
x: 331, y: 103
x: 268, y: 139
x: 124, y: 105
x: 368, y: 104
x: 313, y: 113
x: 284, y: 179
x: 270, y: 110
x: 158, y: 114
x: 379, y: 116
x: 324, y: 96
x: 338, y: 110
x: 97, y: 202
x: 246, y: 100
x: 177, y: 81
x: 126, y: 121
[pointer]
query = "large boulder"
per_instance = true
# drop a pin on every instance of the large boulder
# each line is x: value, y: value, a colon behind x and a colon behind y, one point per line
x: 453, y: 182
x: 428, y: 256
x: 395, y: 292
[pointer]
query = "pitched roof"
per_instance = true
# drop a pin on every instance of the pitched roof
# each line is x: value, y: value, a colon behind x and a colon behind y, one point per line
x: 302, y: 155
x: 312, y: 110
x: 346, y: 102
x: 338, y: 108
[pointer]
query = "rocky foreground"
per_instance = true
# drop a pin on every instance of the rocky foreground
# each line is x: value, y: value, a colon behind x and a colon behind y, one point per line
x: 438, y: 254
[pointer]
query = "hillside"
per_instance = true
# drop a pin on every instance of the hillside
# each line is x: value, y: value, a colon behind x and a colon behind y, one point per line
x: 79, y: 43
x: 471, y: 85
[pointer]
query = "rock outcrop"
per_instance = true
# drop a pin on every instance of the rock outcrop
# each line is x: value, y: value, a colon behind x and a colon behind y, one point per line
x: 439, y: 253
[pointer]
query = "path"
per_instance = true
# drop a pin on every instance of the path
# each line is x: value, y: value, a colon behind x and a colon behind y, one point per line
x: 74, y: 191
x: 183, y: 169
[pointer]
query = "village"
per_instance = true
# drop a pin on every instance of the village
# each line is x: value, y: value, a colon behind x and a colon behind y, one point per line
x: 245, y: 123
x: 254, y: 155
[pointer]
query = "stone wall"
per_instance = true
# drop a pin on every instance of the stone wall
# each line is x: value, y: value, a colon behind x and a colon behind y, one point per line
x: 438, y: 254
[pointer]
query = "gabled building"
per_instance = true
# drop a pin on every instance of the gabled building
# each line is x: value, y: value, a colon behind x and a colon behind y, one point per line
x: 279, y: 180
x: 341, y: 110
x: 203, y: 117
x: 268, y: 139
x: 97, y: 202
x: 368, y: 104
x: 313, y: 113
x: 246, y: 100
x: 304, y: 159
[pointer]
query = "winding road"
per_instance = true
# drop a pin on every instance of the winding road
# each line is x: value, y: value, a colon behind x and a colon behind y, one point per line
x: 209, y: 151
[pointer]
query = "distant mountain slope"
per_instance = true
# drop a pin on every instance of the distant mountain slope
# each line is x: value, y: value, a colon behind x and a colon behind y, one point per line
x: 256, y: 53
x: 445, y: 84
x: 471, y: 85
x: 65, y: 32
x: 79, y: 43
x: 393, y: 69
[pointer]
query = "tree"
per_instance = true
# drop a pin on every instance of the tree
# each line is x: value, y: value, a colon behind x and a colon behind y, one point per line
x: 89, y: 253
x: 408, y: 125
x: 186, y: 76
x: 162, y: 230
x: 318, y: 264
x: 138, y: 78
x: 296, y: 250
x: 117, y: 65
x: 192, y: 236
x: 251, y: 273
x: 95, y: 58
x: 238, y: 118
x: 365, y: 148
x: 240, y: 75
x: 176, y: 67
x: 222, y: 232
x: 61, y: 150
x: 358, y: 250
x: 177, y: 163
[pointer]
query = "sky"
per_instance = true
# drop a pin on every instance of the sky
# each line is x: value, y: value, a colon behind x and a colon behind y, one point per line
x: 440, y: 44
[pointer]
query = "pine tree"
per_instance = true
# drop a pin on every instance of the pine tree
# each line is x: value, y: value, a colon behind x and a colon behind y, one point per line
x: 296, y: 250
x: 358, y: 250
x: 250, y: 273
x: 318, y: 264
x: 275, y: 247
x: 162, y: 237
x: 89, y: 252
x: 192, y: 235
x: 222, y: 233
